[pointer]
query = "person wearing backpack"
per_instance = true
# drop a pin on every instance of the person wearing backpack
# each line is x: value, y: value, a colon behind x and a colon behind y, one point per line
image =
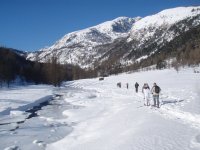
x: 156, y: 91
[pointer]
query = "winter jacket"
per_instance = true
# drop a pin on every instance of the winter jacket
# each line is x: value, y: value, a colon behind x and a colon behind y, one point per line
x: 145, y: 89
x: 153, y: 90
x: 136, y: 85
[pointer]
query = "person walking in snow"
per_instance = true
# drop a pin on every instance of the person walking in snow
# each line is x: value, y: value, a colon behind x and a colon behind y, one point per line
x: 127, y: 85
x: 156, y: 91
x: 146, y: 92
x: 119, y: 84
x: 136, y: 87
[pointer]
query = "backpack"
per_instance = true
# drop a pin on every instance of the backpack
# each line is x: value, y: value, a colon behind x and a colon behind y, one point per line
x: 157, y: 89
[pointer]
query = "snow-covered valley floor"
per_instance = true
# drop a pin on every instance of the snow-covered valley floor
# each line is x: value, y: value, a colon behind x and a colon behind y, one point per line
x: 97, y: 115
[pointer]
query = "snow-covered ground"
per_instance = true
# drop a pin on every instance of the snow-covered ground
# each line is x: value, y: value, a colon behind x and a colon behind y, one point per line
x: 96, y: 115
x: 21, y: 98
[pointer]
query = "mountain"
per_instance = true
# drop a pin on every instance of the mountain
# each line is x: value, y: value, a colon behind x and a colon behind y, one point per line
x: 153, y: 32
x: 123, y: 41
x: 78, y: 47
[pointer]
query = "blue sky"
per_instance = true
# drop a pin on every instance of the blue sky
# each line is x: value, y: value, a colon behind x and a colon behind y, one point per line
x: 33, y: 24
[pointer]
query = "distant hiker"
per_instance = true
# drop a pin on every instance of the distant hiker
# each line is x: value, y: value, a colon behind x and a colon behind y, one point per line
x: 146, y: 92
x: 127, y: 85
x: 119, y: 84
x: 155, y: 91
x: 136, y: 87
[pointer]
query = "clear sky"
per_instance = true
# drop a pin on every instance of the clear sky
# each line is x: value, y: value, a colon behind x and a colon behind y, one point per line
x: 33, y: 24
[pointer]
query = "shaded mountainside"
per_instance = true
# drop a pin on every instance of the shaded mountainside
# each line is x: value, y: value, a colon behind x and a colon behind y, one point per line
x: 14, y: 66
x: 121, y: 42
x: 11, y: 64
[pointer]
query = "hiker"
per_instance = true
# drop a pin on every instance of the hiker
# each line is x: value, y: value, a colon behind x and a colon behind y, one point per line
x: 127, y: 85
x: 146, y: 92
x: 119, y: 84
x: 155, y: 91
x: 136, y: 87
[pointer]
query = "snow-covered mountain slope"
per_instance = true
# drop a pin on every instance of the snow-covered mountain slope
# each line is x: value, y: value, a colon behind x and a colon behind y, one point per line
x: 166, y: 17
x: 123, y: 40
x: 156, y: 30
x: 78, y: 47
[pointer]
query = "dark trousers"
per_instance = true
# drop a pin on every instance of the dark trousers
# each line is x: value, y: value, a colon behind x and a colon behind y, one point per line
x: 156, y: 100
x: 136, y: 90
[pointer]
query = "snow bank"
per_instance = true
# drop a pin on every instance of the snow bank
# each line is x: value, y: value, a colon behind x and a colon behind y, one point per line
x: 21, y: 98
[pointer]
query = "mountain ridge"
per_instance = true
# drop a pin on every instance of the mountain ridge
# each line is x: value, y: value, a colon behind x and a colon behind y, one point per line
x: 92, y: 46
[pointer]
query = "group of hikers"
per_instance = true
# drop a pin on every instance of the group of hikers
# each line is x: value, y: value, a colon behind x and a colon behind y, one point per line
x: 155, y: 90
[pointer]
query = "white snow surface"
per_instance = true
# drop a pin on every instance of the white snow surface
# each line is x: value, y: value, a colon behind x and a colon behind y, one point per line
x: 97, y: 115
x: 111, y: 118
x: 24, y: 123
x: 21, y: 98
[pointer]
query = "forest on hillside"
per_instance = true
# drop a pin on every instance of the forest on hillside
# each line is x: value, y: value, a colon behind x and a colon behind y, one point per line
x: 184, y: 50
x: 15, y: 67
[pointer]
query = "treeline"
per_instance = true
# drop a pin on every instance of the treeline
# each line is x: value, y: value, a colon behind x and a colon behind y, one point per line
x: 15, y: 67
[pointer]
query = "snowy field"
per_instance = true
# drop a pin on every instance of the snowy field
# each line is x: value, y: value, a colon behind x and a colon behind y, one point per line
x: 96, y: 115
x: 20, y: 98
